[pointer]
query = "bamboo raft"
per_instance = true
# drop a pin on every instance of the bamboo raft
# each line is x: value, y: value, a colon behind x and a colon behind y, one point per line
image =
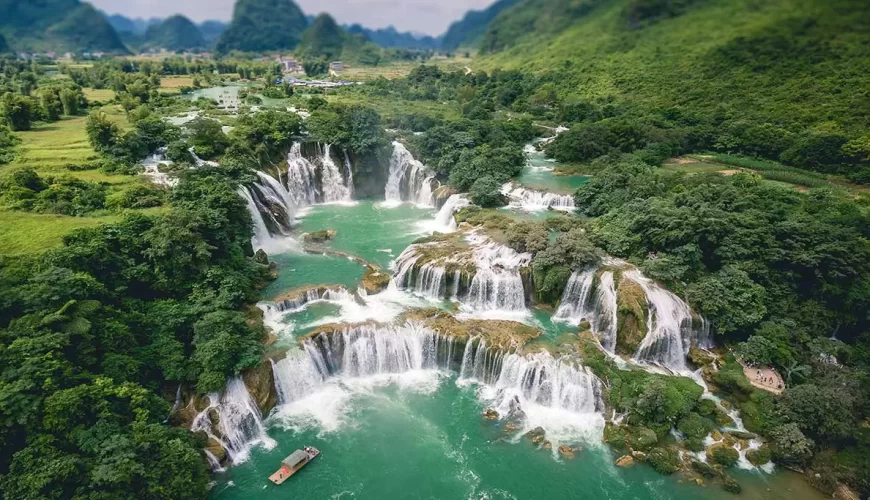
x: 295, y: 461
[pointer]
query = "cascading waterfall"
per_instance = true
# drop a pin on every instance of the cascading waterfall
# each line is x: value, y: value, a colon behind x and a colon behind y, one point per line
x: 409, y: 179
x: 301, y: 177
x: 497, y: 284
x: 531, y: 200
x: 586, y: 300
x: 545, y: 391
x: 335, y: 186
x: 670, y: 323
x: 262, y: 238
x: 297, y: 303
x: 240, y: 425
x: 444, y: 221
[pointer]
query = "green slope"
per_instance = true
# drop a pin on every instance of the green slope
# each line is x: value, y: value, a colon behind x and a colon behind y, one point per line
x: 263, y: 25
x: 58, y: 25
x: 794, y: 63
x: 176, y: 33
x: 467, y: 31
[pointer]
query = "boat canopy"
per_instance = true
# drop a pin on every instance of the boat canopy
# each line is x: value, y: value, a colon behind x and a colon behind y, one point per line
x: 295, y: 459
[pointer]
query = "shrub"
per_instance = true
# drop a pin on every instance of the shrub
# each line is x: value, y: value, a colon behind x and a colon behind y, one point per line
x: 759, y: 456
x: 642, y: 438
x: 695, y: 426
x: 723, y: 454
x: 664, y: 460
x: 486, y: 192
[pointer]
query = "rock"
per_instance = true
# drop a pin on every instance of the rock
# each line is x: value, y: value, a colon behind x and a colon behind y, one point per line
x: 375, y: 281
x: 631, y: 317
x: 742, y: 435
x: 716, y: 435
x: 730, y: 485
x: 536, y: 434
x: 843, y: 492
x: 566, y: 451
x: 441, y: 194
x: 490, y: 414
x: 261, y: 257
x: 547, y: 445
x: 319, y: 236
x: 701, y: 357
x: 723, y: 454
x: 638, y: 456
x: 260, y: 382
x: 511, y: 427
x: 216, y: 449
x: 704, y: 469
x: 625, y: 461
x: 759, y: 456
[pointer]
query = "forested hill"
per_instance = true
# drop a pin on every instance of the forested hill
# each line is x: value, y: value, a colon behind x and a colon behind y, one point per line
x: 58, y: 25
x: 176, y: 33
x: 795, y: 64
x: 260, y: 25
x: 467, y: 31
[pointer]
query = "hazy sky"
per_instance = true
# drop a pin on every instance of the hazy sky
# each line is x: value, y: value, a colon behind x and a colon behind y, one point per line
x: 426, y: 16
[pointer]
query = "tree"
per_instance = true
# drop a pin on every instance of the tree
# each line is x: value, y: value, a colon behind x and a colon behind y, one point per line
x: 730, y: 299
x: 52, y: 107
x: 315, y: 67
x: 207, y: 138
x: 486, y: 192
x: 70, y: 100
x: 103, y: 134
x: 789, y: 445
x: 18, y: 111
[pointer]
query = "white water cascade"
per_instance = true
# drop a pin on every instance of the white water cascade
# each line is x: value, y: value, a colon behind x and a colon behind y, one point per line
x: 409, y: 179
x: 240, y: 425
x: 559, y: 395
x: 301, y: 177
x: 444, y: 220
x: 495, y: 287
x: 497, y: 284
x: 262, y: 238
x: 594, y: 300
x: 530, y: 200
x: 672, y: 328
x: 669, y: 326
x: 318, y: 181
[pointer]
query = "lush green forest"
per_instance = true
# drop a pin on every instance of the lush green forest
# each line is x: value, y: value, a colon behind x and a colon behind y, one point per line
x: 468, y: 31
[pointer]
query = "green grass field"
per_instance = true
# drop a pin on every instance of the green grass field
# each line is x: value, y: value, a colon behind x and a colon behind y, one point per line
x: 48, y: 149
x: 101, y: 95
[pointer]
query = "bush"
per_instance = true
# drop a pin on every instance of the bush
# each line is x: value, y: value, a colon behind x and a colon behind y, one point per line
x: 664, y: 460
x: 486, y: 192
x: 136, y: 197
x: 723, y: 454
x: 642, y: 438
x: 695, y: 426
x: 759, y: 456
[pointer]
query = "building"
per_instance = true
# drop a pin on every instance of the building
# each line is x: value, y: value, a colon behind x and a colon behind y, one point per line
x: 288, y: 64
x: 336, y: 66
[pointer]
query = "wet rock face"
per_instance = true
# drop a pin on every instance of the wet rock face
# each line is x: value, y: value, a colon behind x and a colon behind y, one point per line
x: 631, y: 317
x: 261, y: 385
x: 375, y: 281
x: 625, y: 461
x: 490, y: 414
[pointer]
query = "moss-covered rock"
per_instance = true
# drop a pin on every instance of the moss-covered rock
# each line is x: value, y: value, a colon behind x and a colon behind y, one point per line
x: 615, y: 435
x: 741, y: 435
x: 759, y: 456
x: 497, y: 333
x: 704, y: 469
x: 375, y: 281
x: 261, y: 257
x: 642, y: 439
x: 664, y: 460
x: 216, y: 449
x: 319, y: 236
x: 631, y: 317
x: 260, y: 382
x: 441, y: 194
x: 723, y: 454
x: 694, y: 426
x: 700, y: 357
x: 730, y: 485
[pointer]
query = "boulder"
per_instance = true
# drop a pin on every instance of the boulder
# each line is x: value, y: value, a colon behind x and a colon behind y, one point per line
x: 319, y: 236
x: 375, y: 281
x: 261, y: 257
x: 490, y: 414
x: 625, y: 461
x: 216, y: 449
x: 723, y: 454
x: 638, y: 456
x: 547, y: 445
x: 742, y: 435
x: 701, y: 357
x: 260, y: 382
x: 536, y: 435
x: 567, y: 451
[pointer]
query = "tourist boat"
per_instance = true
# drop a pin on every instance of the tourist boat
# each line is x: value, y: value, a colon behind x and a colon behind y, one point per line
x: 291, y: 465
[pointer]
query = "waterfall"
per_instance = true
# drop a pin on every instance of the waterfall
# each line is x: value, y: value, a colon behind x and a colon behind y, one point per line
x: 669, y: 332
x: 199, y: 162
x: 301, y: 177
x: 444, y: 220
x: 239, y: 426
x: 584, y: 301
x: 559, y: 395
x: 335, y: 186
x: 213, y: 462
x: 262, y: 238
x: 531, y: 200
x: 497, y: 284
x: 409, y: 179
x: 297, y: 303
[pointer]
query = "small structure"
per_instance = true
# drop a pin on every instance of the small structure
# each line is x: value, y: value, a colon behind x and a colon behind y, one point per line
x: 288, y: 64
x: 336, y: 66
x: 291, y: 465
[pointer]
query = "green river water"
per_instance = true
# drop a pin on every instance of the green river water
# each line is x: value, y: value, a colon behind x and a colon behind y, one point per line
x: 422, y: 435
